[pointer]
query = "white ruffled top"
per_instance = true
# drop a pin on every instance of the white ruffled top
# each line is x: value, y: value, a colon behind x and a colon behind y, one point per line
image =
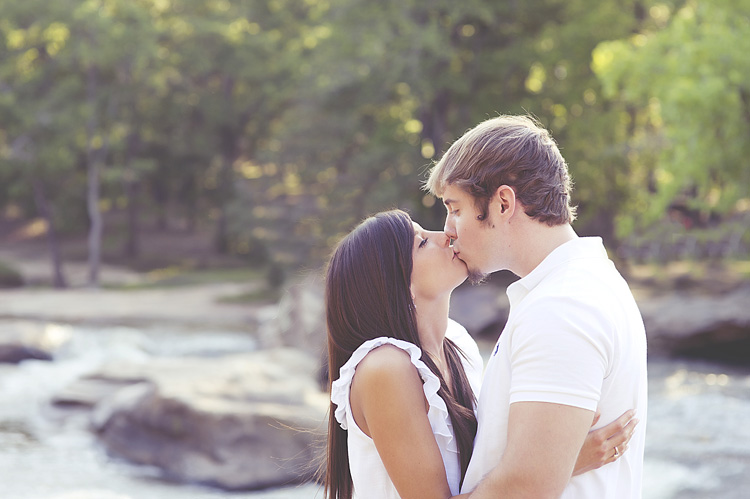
x: 370, y: 477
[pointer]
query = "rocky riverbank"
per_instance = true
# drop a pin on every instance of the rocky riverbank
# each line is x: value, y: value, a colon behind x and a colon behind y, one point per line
x: 244, y: 421
x: 250, y: 417
x: 247, y: 418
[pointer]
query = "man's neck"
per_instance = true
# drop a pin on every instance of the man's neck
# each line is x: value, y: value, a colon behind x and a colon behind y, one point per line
x: 538, y: 240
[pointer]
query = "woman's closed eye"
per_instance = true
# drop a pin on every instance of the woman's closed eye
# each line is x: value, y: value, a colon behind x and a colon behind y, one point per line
x: 424, y: 242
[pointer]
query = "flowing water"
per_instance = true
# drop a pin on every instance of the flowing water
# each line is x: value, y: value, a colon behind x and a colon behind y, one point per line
x: 698, y: 443
x: 698, y: 436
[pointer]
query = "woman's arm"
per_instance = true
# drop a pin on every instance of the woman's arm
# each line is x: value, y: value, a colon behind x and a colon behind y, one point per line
x: 389, y: 405
x: 599, y: 447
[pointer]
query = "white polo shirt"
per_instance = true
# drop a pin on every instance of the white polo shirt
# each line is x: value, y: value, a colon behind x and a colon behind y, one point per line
x: 574, y: 337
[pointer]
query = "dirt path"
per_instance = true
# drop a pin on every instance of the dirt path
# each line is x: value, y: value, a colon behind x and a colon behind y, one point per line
x: 190, y: 306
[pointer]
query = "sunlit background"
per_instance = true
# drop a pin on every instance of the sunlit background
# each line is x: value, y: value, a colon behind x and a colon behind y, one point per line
x: 174, y: 174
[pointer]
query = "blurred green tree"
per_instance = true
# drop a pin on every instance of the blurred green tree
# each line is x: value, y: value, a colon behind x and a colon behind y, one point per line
x: 70, y: 71
x: 237, y: 65
x: 35, y: 102
x: 149, y: 95
x: 388, y: 86
x: 681, y: 88
x: 281, y: 124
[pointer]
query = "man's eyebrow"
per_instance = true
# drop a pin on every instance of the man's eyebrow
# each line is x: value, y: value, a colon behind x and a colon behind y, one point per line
x: 449, y: 201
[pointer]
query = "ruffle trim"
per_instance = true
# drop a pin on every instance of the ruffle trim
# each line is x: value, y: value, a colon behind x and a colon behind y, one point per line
x: 438, y: 411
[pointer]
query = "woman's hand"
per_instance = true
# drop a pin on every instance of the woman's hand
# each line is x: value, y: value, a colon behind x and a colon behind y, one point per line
x: 606, y: 444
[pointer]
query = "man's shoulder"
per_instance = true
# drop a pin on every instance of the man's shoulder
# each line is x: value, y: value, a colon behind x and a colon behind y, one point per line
x: 570, y: 296
x: 582, y: 280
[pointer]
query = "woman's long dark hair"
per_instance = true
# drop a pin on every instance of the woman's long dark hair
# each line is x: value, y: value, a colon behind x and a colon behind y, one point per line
x: 368, y: 295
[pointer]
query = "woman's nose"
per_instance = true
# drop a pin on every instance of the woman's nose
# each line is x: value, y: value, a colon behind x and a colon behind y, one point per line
x: 443, y: 238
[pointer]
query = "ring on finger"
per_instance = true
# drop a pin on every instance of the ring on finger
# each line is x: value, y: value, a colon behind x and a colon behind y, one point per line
x: 617, y: 452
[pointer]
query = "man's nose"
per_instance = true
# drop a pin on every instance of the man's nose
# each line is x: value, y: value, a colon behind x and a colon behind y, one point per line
x: 449, y: 230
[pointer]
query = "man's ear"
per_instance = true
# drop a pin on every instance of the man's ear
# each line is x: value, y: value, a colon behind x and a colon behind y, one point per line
x: 505, y: 197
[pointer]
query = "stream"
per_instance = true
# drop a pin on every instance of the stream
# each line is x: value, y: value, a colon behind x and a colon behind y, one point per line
x: 698, y: 439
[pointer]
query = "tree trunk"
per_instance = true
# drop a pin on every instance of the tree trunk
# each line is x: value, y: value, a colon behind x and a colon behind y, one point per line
x: 190, y: 198
x: 95, y: 217
x: 132, y: 243
x: 42, y: 204
x: 225, y: 186
x: 132, y: 188
x: 160, y: 191
x: 93, y: 195
x: 229, y: 154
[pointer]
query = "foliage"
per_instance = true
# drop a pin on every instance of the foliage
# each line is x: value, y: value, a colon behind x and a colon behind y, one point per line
x: 282, y: 123
x: 390, y: 85
x: 686, y: 81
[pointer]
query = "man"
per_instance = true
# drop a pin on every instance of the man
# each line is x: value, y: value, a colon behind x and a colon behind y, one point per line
x: 574, y: 340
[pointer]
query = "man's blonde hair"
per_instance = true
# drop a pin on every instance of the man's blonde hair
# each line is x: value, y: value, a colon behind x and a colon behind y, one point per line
x: 514, y: 151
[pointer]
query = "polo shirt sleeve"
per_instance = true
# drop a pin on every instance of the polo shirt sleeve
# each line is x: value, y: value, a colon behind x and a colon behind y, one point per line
x: 560, y: 353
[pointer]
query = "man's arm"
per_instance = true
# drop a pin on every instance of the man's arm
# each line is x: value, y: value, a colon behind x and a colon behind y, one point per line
x: 543, y: 443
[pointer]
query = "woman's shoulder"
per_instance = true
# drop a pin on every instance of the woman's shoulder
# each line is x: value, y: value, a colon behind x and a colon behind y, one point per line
x: 387, y: 362
x: 386, y: 381
x: 377, y: 360
x: 383, y: 350
x: 380, y: 369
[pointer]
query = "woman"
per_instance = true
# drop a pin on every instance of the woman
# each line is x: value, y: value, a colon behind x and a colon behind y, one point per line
x: 404, y: 426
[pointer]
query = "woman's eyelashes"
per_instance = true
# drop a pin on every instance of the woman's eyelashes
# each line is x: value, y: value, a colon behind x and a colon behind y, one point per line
x: 424, y: 242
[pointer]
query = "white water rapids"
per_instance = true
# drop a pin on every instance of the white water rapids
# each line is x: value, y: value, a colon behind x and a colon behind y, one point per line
x: 698, y: 440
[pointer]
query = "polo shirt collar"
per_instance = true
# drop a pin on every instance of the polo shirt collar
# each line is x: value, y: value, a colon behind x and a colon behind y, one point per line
x: 580, y: 247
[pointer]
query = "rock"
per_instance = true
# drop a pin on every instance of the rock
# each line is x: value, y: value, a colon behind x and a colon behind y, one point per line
x: 482, y: 310
x: 88, y: 392
x: 15, y: 353
x: 25, y: 340
x: 693, y: 323
x: 712, y: 326
x: 244, y: 421
x: 299, y: 320
x: 696, y: 321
